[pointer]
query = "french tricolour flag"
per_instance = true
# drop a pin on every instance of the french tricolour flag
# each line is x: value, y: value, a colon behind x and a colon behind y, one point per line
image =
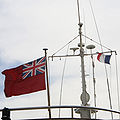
x: 104, y: 58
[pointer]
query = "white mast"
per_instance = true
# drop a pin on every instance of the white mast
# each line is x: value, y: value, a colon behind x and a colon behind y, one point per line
x: 85, y: 113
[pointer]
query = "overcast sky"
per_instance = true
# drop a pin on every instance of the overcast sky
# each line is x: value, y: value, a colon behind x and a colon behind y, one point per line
x: 28, y: 26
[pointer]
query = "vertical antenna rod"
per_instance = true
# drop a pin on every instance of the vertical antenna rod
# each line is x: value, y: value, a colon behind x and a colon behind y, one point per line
x: 84, y: 96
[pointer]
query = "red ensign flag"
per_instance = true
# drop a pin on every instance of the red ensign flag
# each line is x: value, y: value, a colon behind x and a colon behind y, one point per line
x: 26, y: 78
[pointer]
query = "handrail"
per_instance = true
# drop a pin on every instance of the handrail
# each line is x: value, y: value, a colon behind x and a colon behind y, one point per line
x: 66, y: 106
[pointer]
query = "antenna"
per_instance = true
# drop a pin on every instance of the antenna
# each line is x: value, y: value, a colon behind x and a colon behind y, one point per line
x: 74, y: 49
x: 91, y: 47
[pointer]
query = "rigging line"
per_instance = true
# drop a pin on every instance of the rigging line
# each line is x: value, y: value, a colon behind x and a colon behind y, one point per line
x: 66, y: 45
x: 95, y: 24
x: 109, y: 97
x: 110, y: 76
x: 96, y: 42
x: 61, y: 89
x: 104, y: 63
x: 117, y: 82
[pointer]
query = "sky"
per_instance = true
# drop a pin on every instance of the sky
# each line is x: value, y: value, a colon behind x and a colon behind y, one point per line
x: 28, y: 26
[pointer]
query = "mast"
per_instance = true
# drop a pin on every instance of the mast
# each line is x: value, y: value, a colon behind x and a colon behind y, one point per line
x: 84, y: 96
x: 48, y: 91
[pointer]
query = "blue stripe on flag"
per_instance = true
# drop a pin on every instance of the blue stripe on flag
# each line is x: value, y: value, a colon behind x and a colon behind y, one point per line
x: 107, y: 59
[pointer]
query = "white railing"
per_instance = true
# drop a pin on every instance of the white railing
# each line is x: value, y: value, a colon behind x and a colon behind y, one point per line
x: 72, y: 109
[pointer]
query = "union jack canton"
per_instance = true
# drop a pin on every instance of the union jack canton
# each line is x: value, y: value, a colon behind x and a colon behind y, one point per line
x: 33, y: 68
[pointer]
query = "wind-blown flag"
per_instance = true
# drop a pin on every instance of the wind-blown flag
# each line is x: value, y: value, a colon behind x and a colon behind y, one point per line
x: 104, y: 58
x: 26, y: 78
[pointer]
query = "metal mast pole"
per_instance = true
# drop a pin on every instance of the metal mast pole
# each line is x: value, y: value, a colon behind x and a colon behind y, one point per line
x: 94, y: 81
x: 48, y: 91
x: 84, y: 96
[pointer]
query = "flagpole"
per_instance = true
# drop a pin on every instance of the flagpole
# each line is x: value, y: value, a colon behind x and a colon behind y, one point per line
x: 48, y: 91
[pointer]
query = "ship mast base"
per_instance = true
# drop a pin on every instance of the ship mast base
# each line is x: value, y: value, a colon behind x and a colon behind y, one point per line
x: 84, y: 113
